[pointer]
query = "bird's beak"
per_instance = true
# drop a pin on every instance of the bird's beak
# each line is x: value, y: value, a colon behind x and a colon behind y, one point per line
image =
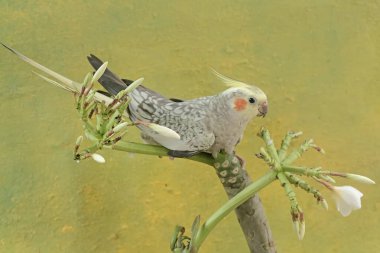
x: 263, y: 109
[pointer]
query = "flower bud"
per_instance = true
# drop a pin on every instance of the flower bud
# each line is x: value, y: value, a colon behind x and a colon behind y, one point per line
x: 296, y: 134
x: 360, y: 178
x: 130, y: 88
x: 79, y: 140
x: 98, y: 158
x: 134, y: 85
x: 296, y: 226
x: 99, y: 72
x: 87, y: 79
x: 324, y: 204
x: 120, y: 127
x: 301, y: 231
x: 90, y: 96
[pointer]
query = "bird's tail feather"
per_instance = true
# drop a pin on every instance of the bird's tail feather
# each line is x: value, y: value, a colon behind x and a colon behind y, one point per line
x: 110, y: 81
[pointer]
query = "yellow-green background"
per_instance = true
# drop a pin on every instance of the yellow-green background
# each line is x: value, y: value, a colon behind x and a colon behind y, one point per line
x: 318, y: 61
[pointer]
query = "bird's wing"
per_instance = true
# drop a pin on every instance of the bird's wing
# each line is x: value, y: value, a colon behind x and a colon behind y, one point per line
x: 187, y: 118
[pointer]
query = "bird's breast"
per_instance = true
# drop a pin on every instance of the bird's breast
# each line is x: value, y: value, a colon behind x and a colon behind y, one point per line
x: 227, y: 134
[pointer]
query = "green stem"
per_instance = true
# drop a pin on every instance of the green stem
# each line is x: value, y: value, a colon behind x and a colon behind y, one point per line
x: 148, y: 149
x: 301, y: 170
x: 293, y: 179
x: 298, y: 152
x: 284, y: 146
x: 286, y: 143
x: 229, y: 206
x: 288, y: 189
x: 270, y: 145
x: 312, y: 172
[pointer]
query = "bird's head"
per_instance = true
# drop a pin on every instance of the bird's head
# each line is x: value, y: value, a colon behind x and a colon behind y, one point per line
x: 244, y: 99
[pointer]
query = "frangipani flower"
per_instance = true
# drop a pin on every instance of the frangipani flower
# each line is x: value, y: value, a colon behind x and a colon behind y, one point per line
x: 347, y: 199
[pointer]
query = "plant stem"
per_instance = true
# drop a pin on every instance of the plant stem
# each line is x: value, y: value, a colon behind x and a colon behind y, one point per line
x: 270, y: 145
x: 288, y: 189
x: 229, y: 206
x: 148, y: 149
x: 298, y: 152
x: 301, y: 170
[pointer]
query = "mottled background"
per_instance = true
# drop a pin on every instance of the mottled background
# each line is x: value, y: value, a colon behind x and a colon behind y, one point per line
x: 318, y: 61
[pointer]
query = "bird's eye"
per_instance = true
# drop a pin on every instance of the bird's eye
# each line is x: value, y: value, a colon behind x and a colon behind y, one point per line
x: 252, y: 100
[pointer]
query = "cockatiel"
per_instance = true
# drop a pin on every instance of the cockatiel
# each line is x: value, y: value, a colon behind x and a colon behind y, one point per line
x: 211, y: 124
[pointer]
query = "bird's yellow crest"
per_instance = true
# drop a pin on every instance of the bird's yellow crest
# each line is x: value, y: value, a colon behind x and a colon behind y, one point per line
x: 229, y: 81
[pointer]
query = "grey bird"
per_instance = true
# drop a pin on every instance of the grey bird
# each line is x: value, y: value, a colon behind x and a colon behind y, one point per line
x: 211, y: 124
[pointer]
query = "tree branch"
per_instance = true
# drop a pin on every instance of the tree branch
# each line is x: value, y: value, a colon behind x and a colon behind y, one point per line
x: 252, y: 220
x: 234, y: 177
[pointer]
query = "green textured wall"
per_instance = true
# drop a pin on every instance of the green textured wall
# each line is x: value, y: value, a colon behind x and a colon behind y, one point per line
x: 318, y: 61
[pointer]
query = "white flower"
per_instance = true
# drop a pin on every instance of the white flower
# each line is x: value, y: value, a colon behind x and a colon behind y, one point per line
x: 98, y: 158
x: 347, y: 199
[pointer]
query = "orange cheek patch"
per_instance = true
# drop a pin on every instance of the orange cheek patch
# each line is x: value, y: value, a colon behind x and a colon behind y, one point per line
x: 240, y: 104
